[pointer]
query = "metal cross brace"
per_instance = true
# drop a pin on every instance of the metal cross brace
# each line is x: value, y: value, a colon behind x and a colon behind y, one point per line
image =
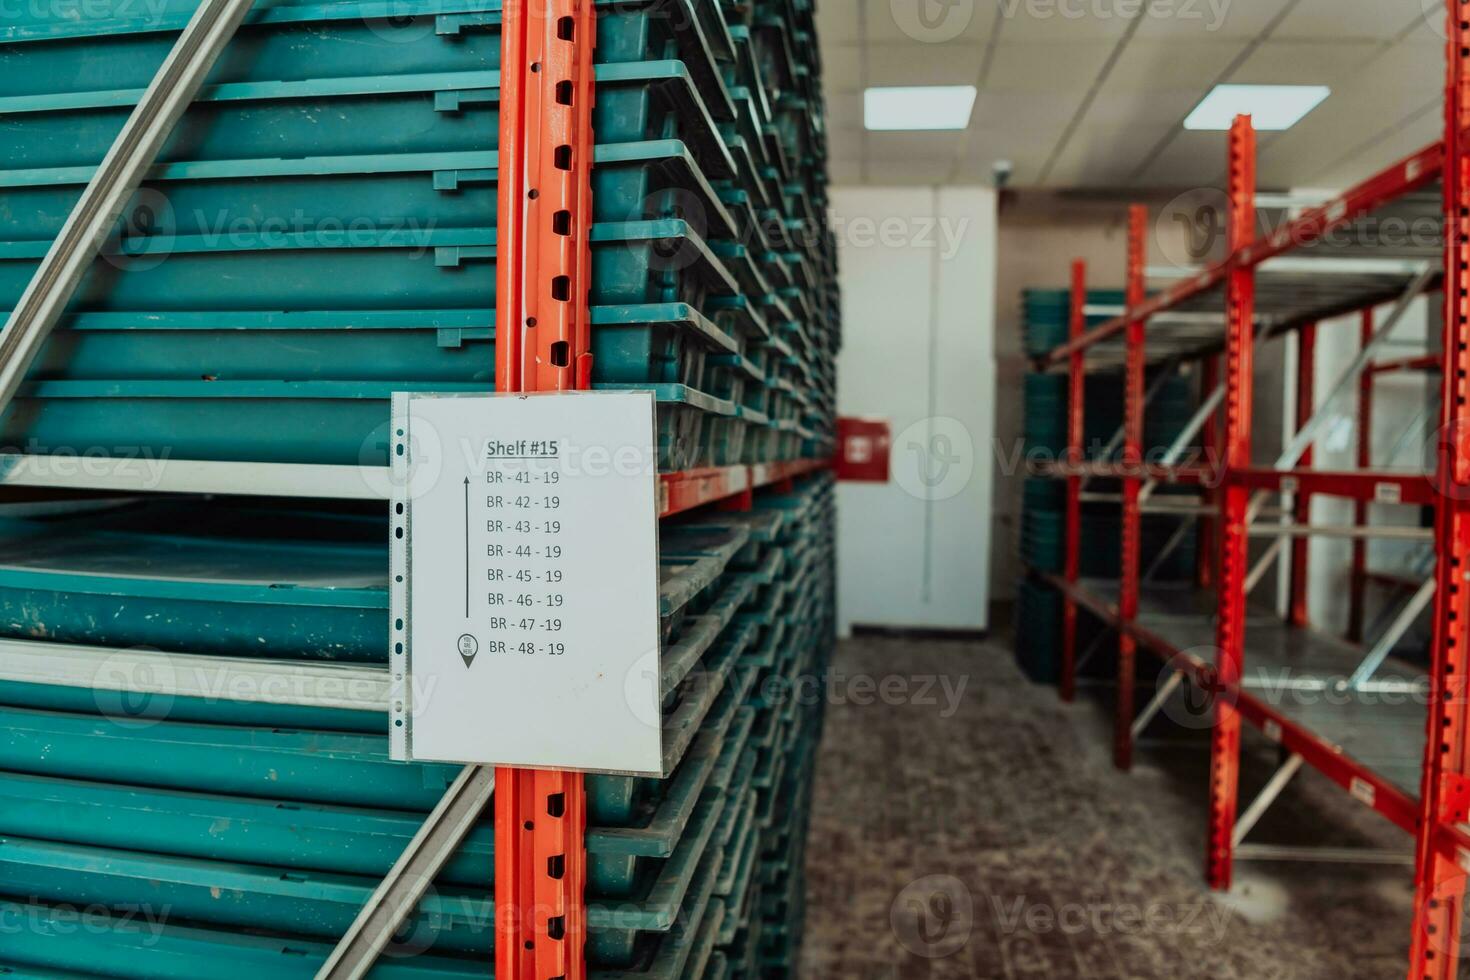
x: 127, y: 162
x: 1116, y: 442
x: 1273, y: 789
x: 398, y: 894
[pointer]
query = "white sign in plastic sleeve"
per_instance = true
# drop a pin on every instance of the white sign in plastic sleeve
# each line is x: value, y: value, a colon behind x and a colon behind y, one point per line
x: 524, y: 622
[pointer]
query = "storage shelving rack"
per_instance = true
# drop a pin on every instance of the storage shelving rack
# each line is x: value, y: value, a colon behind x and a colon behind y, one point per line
x: 1332, y: 706
x: 272, y: 806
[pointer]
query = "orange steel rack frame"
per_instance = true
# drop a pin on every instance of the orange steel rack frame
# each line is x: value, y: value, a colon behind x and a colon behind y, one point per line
x: 1439, y: 816
x: 543, y: 276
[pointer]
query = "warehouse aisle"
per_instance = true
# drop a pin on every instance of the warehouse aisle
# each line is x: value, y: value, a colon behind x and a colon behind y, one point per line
x: 988, y: 836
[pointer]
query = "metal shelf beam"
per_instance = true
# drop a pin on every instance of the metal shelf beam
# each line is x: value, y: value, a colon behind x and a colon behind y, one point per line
x: 1440, y: 820
x: 1404, y: 177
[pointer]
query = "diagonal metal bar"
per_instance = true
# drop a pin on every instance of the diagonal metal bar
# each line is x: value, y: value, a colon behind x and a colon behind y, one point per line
x: 1170, y: 546
x: 1165, y: 691
x: 1180, y: 446
x: 1116, y: 442
x: 96, y: 213
x: 1092, y: 648
x: 1268, y: 795
x: 1347, y: 380
x: 1395, y: 632
x: 396, y: 897
x: 1264, y: 565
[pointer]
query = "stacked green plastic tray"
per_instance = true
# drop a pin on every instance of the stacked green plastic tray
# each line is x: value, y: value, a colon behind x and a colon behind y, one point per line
x: 762, y: 882
x: 320, y: 232
x: 321, y: 228
x: 1043, y: 516
x: 263, y: 829
x: 1046, y: 316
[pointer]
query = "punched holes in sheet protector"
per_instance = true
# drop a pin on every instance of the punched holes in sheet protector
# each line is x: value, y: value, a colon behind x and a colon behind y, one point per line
x: 398, y: 509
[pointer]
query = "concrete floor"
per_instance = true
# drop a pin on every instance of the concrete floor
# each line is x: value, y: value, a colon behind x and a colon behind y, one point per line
x: 976, y: 828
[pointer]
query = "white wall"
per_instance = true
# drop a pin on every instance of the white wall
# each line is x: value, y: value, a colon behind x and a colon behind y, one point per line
x: 918, y: 280
x: 1040, y: 235
x: 1398, y: 399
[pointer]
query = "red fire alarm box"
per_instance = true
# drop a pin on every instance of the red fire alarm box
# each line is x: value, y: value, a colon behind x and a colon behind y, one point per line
x: 862, y: 449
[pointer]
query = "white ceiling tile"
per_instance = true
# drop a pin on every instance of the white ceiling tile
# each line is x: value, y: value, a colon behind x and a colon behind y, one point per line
x: 1303, y: 62
x: 1100, y: 154
x: 923, y: 22
x: 913, y: 146
x: 1370, y: 156
x: 1382, y: 59
x: 1023, y: 111
x: 1378, y: 21
x: 907, y: 172
x: 1068, y: 68
x: 941, y: 64
x: 1150, y: 65
x: 1191, y: 159
x: 1206, y: 20
x: 1058, y: 21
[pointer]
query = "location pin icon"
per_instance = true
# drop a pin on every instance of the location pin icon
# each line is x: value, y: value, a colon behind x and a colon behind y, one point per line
x: 468, y: 647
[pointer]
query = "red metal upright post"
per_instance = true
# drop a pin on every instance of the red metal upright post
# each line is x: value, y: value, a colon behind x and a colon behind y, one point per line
x: 1240, y: 301
x: 543, y: 343
x: 1205, y: 549
x: 1132, y: 486
x: 1305, y: 402
x: 1439, y: 879
x: 1076, y: 396
x: 1359, y: 578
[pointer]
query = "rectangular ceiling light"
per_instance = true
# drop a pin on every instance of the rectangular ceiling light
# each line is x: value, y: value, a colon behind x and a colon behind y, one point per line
x: 924, y: 107
x: 1271, y: 107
